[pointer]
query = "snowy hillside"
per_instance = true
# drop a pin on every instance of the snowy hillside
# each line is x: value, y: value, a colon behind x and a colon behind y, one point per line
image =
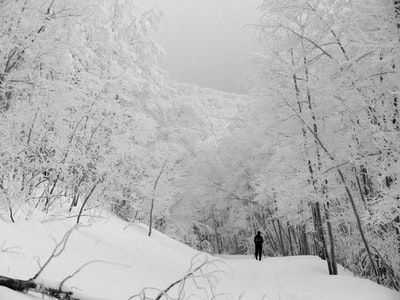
x: 91, y: 124
x: 122, y: 261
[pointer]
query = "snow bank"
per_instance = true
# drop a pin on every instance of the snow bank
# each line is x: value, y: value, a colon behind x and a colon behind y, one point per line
x: 125, y: 259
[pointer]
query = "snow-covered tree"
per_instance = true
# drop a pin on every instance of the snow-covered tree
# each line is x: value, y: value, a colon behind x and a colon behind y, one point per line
x: 75, y: 78
x: 329, y: 70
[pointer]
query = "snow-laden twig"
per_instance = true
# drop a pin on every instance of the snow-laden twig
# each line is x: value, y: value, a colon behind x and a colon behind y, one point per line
x: 84, y: 266
x: 60, y: 247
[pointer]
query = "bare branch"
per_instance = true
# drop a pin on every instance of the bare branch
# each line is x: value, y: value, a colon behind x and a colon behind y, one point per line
x: 84, y: 266
x: 180, y: 280
x: 60, y: 247
x: 309, y: 40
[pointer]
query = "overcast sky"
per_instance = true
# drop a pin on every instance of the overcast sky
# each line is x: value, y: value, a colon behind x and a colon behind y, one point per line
x: 207, y: 41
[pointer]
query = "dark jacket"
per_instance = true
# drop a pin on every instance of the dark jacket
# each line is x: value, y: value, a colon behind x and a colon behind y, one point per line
x: 258, y: 240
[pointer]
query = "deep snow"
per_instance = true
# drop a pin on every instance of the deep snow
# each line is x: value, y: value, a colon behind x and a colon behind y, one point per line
x: 126, y: 261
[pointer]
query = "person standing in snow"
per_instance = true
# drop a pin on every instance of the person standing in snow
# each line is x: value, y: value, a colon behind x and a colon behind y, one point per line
x: 258, y: 241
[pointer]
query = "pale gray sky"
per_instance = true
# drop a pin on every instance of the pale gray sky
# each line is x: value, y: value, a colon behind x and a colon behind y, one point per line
x: 206, y: 41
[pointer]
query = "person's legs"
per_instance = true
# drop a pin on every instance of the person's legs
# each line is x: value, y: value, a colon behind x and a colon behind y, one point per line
x: 258, y: 252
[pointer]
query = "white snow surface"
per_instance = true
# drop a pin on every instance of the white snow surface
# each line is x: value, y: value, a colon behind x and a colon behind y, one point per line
x: 126, y: 261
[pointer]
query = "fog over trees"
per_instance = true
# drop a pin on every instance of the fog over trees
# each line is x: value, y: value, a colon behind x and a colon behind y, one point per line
x: 89, y: 122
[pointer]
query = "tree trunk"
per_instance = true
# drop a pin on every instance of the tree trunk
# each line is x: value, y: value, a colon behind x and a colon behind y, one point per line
x: 319, y: 230
x: 281, y: 238
x: 278, y: 237
x: 319, y: 233
x: 290, y: 239
x: 332, y: 257
x: 86, y: 200
x: 217, y: 237
x: 295, y: 240
x: 304, y: 242
x: 154, y: 195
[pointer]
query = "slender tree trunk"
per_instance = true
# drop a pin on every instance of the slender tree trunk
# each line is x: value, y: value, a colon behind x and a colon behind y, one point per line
x: 290, y: 239
x: 154, y: 195
x: 305, y: 241
x: 75, y: 198
x: 332, y: 256
x: 271, y: 240
x: 278, y: 237
x: 304, y: 248
x: 322, y: 249
x: 295, y: 240
x: 217, y: 242
x: 236, y: 243
x: 281, y: 238
x: 86, y: 200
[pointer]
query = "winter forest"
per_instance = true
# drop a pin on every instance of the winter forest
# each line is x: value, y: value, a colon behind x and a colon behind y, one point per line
x: 92, y: 128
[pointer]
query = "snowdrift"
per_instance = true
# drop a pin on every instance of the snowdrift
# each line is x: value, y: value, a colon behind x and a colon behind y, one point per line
x: 124, y: 259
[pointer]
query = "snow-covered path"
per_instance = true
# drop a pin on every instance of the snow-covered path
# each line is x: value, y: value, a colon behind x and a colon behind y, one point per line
x: 295, y: 278
x: 129, y: 261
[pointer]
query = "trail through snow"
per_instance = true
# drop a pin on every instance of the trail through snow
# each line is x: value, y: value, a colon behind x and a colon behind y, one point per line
x: 297, y: 278
x: 128, y: 261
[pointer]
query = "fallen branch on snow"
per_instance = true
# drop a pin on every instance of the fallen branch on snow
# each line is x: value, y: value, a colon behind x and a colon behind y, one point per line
x: 31, y: 285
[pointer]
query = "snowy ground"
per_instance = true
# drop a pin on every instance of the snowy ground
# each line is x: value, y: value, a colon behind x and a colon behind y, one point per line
x: 125, y: 261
